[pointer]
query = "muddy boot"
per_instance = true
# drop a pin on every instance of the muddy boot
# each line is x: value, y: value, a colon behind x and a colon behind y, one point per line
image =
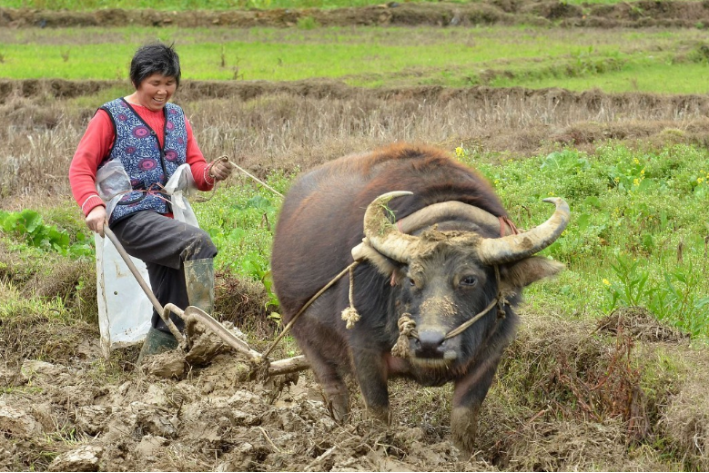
x: 199, y: 278
x: 156, y: 342
x: 203, y: 345
x: 199, y: 282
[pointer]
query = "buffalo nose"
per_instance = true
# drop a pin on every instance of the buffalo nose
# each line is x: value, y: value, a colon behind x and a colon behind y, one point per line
x: 430, y: 344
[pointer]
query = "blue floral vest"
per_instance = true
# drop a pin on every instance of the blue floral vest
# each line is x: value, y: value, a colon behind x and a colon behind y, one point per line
x: 148, y: 167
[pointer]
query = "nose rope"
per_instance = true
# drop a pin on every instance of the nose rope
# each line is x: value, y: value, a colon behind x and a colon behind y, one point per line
x: 500, y: 300
x: 407, y: 329
x: 407, y: 326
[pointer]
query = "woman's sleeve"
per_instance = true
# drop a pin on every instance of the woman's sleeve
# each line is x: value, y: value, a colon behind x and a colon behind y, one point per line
x: 198, y: 165
x: 93, y: 148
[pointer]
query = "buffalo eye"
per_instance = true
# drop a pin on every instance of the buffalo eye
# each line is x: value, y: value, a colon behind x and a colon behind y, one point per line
x: 412, y: 283
x: 468, y: 281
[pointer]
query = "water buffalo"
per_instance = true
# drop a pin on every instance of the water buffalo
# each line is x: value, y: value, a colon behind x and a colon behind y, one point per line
x: 443, y: 263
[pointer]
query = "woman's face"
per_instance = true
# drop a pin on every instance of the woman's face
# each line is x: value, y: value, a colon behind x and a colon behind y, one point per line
x: 155, y: 91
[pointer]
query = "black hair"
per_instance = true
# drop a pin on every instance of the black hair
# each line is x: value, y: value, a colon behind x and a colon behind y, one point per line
x: 156, y: 58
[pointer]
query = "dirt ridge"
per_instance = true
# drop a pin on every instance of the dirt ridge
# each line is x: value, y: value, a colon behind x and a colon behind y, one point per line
x: 685, y: 104
x: 645, y: 13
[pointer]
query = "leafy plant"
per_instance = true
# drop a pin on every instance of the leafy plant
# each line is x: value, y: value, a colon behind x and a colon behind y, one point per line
x: 628, y: 177
x: 28, y: 224
x: 677, y: 300
x: 254, y: 265
x: 630, y: 290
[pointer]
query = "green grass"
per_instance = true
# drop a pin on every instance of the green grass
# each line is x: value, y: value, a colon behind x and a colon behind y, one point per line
x: 648, y: 76
x: 653, y: 60
x: 631, y: 211
x: 240, y: 220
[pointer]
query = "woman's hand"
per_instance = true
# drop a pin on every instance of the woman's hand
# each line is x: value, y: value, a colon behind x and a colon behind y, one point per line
x: 220, y: 169
x: 96, y: 219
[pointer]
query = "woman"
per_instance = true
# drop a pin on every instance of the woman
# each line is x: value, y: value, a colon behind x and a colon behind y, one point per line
x: 132, y: 147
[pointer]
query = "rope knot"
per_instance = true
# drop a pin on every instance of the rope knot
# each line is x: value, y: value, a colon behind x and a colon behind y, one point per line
x: 501, y: 314
x: 351, y: 316
x: 407, y: 328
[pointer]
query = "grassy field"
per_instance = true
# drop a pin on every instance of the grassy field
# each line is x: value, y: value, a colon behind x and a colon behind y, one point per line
x: 632, y: 210
x: 654, y: 60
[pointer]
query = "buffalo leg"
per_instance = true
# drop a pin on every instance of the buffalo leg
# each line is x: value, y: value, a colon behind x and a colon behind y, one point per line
x: 371, y: 370
x: 468, y: 396
x: 333, y: 384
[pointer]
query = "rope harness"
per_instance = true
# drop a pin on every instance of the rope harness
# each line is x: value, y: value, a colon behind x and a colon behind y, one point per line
x: 224, y: 157
x: 407, y: 326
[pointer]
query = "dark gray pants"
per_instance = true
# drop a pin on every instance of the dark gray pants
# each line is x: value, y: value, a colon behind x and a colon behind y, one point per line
x: 164, y: 244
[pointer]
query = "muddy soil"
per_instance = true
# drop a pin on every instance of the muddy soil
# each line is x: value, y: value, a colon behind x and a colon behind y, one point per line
x: 65, y: 408
x: 636, y: 14
x: 625, y: 394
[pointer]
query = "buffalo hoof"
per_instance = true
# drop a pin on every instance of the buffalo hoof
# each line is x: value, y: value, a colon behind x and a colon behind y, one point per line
x: 380, y: 414
x: 339, y: 407
x: 464, y: 426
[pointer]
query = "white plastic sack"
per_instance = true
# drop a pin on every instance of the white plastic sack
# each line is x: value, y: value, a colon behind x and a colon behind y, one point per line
x: 124, y: 310
x: 180, y: 186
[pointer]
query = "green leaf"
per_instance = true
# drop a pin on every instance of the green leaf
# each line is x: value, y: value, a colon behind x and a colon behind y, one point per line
x: 582, y: 221
x: 645, y: 185
x: 31, y: 220
x: 258, y: 202
x: 593, y: 201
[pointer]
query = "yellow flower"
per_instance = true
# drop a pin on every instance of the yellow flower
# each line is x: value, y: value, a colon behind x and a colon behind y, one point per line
x: 636, y: 182
x: 459, y: 151
x: 642, y: 171
x: 636, y: 161
x: 700, y: 180
x: 606, y: 282
x: 617, y: 179
x: 551, y: 194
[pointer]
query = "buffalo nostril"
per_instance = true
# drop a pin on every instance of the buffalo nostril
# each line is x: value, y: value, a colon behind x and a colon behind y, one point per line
x: 429, y: 344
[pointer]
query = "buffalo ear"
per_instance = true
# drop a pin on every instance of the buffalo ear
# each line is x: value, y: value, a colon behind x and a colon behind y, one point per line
x: 524, y: 272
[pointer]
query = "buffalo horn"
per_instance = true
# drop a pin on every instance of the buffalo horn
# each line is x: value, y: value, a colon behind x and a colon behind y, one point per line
x: 382, y: 235
x: 516, y: 247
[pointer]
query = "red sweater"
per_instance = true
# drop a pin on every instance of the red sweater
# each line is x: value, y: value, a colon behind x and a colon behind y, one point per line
x: 96, y: 144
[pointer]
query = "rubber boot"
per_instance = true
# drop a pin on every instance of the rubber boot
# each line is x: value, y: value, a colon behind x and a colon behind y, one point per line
x: 199, y: 282
x: 156, y: 342
x: 199, y: 278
